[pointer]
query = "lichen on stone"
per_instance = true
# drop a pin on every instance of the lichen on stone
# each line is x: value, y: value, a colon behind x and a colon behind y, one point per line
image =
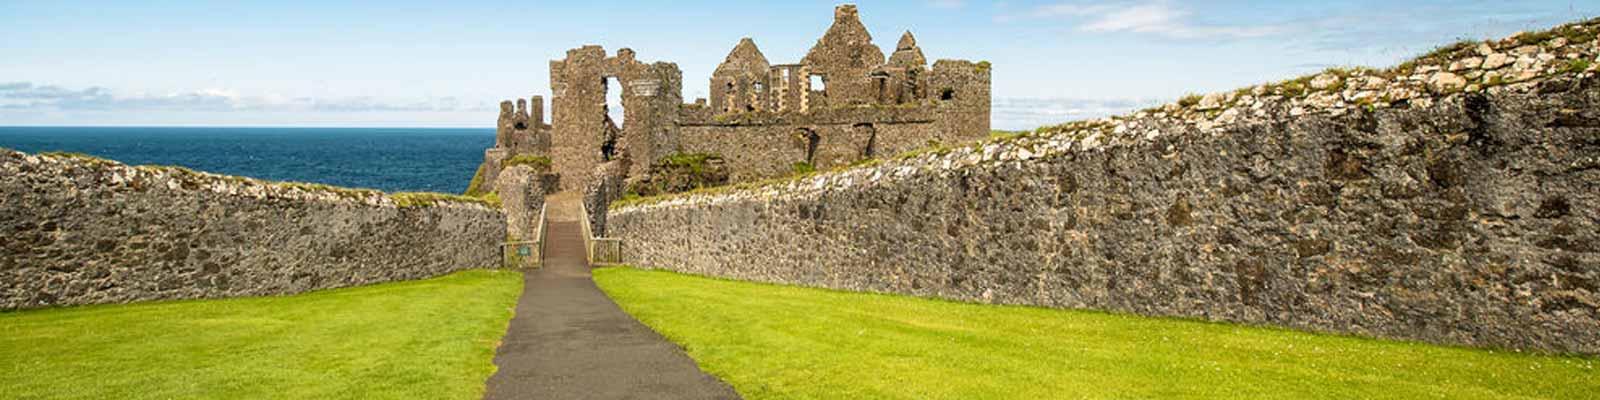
x: 430, y: 199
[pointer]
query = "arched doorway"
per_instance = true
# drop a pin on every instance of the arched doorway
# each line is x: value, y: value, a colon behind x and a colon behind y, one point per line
x: 868, y: 135
x: 615, y: 118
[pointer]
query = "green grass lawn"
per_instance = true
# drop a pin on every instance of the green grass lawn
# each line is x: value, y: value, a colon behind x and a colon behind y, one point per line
x: 429, y: 339
x: 779, y: 342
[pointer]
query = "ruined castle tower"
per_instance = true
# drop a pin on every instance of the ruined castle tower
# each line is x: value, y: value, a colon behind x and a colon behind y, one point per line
x: 651, y: 94
x: 519, y: 130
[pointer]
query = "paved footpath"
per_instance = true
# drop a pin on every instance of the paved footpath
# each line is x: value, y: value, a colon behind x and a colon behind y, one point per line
x: 569, y: 341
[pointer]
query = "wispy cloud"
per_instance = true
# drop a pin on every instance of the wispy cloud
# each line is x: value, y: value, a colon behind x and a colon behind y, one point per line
x: 31, y: 96
x: 1028, y: 113
x: 1433, y: 23
x: 1070, y: 10
x: 1158, y: 17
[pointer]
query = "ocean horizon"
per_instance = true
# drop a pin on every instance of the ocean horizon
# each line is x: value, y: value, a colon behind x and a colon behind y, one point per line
x: 385, y: 158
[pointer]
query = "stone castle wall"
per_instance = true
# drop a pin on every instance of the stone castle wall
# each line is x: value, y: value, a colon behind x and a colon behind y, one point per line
x: 1439, y: 202
x: 76, y: 231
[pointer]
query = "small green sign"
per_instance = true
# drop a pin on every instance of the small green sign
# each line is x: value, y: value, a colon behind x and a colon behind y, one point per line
x: 524, y: 250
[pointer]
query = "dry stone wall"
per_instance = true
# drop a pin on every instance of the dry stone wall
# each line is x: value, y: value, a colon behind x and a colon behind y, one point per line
x: 1448, y: 214
x: 76, y: 230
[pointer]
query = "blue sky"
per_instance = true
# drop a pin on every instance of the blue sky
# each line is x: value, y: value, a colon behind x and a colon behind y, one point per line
x: 424, y: 64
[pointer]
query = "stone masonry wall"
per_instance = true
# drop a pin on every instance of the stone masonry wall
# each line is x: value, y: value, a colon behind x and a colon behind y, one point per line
x: 522, y: 191
x: 76, y: 230
x: 1436, y: 210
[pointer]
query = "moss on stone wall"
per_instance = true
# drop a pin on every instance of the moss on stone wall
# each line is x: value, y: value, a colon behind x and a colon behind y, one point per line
x: 429, y: 199
x: 475, y: 188
x: 539, y: 163
x: 681, y: 172
x: 341, y: 191
x: 803, y: 167
x: 694, y: 162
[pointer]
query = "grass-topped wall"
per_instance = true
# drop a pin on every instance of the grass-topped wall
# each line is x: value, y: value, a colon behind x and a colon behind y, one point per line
x: 82, y: 230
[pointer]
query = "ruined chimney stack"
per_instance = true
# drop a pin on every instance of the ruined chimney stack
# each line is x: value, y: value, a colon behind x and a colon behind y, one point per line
x: 536, y: 110
x: 844, y: 12
x: 907, y: 42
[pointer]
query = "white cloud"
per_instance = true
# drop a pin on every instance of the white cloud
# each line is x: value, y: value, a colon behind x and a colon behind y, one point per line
x: 1027, y: 113
x: 1069, y: 10
x: 30, y: 96
x: 1159, y: 17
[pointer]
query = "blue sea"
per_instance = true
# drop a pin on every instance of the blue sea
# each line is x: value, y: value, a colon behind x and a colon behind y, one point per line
x: 388, y: 159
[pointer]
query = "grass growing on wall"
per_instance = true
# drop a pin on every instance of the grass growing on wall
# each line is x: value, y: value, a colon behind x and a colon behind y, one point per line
x: 428, y: 339
x: 773, y: 341
x: 694, y: 162
x: 430, y: 199
x: 540, y: 163
x: 475, y: 186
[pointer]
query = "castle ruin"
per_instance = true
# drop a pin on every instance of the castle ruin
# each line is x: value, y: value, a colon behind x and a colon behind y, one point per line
x: 843, y: 102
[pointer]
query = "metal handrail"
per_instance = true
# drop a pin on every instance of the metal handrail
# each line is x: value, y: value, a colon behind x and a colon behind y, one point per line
x: 540, y: 232
x: 588, y: 236
x: 589, y: 240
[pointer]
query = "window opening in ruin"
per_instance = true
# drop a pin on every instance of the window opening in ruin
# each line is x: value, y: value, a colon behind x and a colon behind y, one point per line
x: 911, y: 89
x: 882, y: 82
x: 760, y: 87
x: 786, y: 77
x: 521, y: 126
x: 812, y: 141
x: 871, y: 133
x: 608, y: 148
x: 608, y: 139
x: 818, y: 84
x: 947, y: 94
x: 614, y: 107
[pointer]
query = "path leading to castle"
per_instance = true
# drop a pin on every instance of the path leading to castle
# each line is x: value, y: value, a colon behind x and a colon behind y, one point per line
x: 569, y: 341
